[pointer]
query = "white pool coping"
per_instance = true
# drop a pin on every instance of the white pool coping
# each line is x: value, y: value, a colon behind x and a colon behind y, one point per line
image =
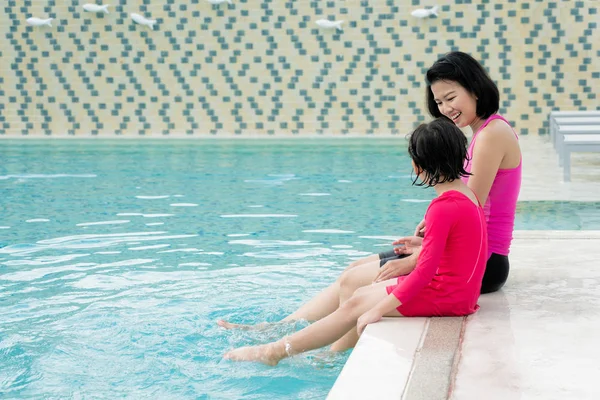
x: 381, y: 363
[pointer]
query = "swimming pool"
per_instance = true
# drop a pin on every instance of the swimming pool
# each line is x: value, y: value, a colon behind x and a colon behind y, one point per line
x: 117, y: 257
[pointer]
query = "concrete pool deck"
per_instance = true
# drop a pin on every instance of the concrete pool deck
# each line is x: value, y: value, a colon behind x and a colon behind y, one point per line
x: 534, y: 339
x: 543, y: 178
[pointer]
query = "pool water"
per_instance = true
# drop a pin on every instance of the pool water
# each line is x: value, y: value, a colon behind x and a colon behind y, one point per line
x: 117, y: 258
x: 557, y: 215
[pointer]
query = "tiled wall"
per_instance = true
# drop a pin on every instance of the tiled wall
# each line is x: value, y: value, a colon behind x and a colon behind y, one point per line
x: 264, y: 67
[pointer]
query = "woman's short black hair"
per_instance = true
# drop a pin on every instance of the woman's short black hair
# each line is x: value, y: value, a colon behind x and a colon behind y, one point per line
x: 462, y: 68
x: 439, y: 149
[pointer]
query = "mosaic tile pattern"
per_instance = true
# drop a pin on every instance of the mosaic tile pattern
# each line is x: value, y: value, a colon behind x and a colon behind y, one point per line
x: 264, y: 67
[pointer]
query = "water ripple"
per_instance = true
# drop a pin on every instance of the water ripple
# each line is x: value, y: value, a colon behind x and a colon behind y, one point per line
x: 45, y: 176
x: 37, y: 273
x: 87, y: 242
x: 154, y: 246
x: 258, y: 216
x: 326, y: 231
x: 272, y: 243
x: 120, y: 221
x: 152, y: 197
x: 44, y: 260
x: 273, y: 179
x: 186, y: 250
x: 290, y: 254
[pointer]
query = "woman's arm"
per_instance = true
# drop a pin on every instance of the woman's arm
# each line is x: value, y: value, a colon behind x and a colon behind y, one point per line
x: 401, y: 266
x: 490, y: 149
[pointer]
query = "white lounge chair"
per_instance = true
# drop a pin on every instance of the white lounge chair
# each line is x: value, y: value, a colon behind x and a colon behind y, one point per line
x: 573, y: 143
x: 570, y: 121
x: 568, y: 114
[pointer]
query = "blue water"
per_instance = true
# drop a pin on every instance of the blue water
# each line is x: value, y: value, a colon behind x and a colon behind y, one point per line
x: 117, y: 257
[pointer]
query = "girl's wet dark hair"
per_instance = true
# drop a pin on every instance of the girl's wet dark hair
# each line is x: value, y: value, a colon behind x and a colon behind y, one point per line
x: 439, y: 149
x: 462, y: 68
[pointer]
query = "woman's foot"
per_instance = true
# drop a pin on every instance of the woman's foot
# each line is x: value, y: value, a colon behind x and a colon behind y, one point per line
x: 269, y: 354
x: 229, y: 325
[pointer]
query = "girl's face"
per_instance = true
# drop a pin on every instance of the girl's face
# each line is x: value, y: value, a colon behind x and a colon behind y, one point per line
x: 455, y: 102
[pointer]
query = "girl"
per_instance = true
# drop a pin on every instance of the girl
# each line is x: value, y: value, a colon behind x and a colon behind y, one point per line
x: 450, y: 267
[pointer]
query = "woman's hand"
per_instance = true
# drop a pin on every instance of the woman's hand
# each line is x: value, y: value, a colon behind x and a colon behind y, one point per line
x: 370, y: 317
x: 420, y: 229
x: 395, y: 268
x: 409, y: 244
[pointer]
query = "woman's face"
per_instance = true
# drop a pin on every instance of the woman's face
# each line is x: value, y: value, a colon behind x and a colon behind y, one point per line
x: 455, y: 102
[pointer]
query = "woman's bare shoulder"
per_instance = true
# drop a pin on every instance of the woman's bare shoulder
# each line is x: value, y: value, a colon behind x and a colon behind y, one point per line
x: 498, y: 130
x: 499, y: 137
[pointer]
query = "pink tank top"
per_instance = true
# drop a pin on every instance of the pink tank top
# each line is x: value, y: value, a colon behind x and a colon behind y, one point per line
x: 501, y: 204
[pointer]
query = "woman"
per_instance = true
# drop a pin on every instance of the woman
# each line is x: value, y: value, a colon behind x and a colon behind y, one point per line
x: 447, y: 278
x: 458, y: 89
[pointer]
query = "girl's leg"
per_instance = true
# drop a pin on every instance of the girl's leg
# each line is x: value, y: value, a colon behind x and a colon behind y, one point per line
x: 349, y: 340
x: 346, y: 342
x: 349, y: 287
x: 322, y: 332
x: 328, y: 300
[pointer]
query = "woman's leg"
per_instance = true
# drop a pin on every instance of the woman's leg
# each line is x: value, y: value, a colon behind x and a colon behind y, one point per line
x: 325, y: 303
x: 352, y: 278
x: 322, y: 332
x: 368, y: 259
x: 496, y: 273
x: 328, y: 300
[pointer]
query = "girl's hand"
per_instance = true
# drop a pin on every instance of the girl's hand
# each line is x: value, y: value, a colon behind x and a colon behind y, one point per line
x: 370, y: 317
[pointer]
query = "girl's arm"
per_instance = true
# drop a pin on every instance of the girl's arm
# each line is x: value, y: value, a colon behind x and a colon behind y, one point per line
x: 440, y: 218
x: 488, y: 153
x: 379, y: 310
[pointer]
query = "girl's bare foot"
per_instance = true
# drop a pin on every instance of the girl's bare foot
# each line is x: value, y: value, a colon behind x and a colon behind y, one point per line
x: 269, y: 354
